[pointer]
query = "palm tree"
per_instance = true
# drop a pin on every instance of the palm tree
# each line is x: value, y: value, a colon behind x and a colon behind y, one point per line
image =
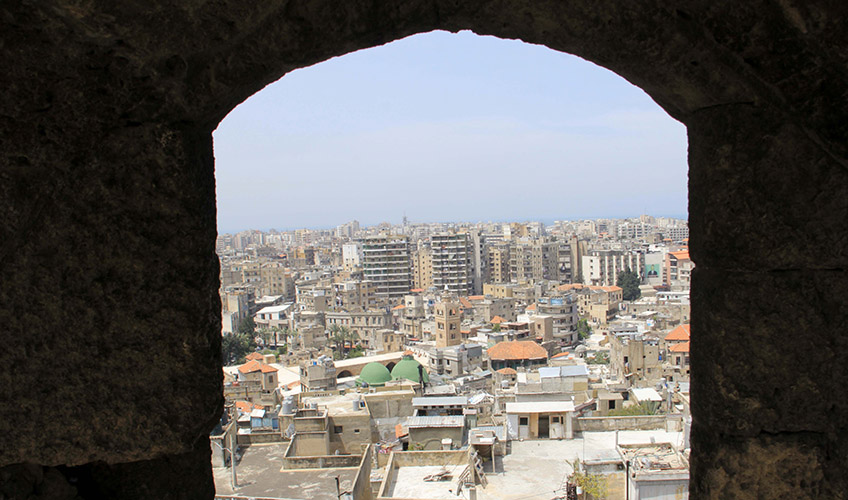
x: 339, y: 336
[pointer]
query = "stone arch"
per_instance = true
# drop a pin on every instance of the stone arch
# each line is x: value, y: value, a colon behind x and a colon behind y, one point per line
x: 390, y: 365
x: 344, y: 374
x: 107, y: 139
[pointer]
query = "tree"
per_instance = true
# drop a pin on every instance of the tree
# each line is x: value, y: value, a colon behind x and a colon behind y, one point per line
x: 600, y: 358
x: 340, y: 335
x: 234, y: 347
x: 629, y: 282
x: 593, y: 485
x: 247, y: 326
x: 496, y: 327
x: 584, y: 331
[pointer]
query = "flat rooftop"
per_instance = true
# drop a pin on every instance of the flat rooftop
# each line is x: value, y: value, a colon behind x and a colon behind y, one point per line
x: 409, y: 482
x: 337, y: 404
x: 260, y: 474
x: 537, y: 469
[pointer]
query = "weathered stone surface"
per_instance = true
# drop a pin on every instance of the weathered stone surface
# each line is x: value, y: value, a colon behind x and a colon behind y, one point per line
x: 108, y: 278
x: 797, y: 466
x: 768, y: 196
x: 768, y: 351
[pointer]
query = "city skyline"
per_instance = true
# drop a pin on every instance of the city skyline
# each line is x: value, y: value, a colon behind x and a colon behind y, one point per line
x: 549, y: 221
x: 441, y: 124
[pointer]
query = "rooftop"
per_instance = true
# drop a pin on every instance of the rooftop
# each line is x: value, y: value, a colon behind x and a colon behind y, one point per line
x: 679, y: 333
x: 517, y: 350
x: 260, y: 474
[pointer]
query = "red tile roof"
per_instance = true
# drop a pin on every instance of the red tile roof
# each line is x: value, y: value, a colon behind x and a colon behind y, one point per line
x: 267, y: 369
x: 397, y: 308
x: 466, y: 303
x: 507, y: 371
x: 517, y: 350
x: 256, y: 356
x: 497, y: 320
x: 250, y: 367
x: 681, y: 255
x: 679, y: 334
x: 681, y: 347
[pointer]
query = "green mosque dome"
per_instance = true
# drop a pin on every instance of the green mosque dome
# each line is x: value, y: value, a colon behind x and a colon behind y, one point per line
x: 408, y: 368
x: 374, y: 374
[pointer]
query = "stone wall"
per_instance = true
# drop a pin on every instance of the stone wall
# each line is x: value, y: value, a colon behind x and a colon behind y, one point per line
x: 108, y: 229
x: 629, y: 423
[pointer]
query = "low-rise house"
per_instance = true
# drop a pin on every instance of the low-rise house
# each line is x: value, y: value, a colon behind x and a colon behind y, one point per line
x: 516, y: 354
x: 257, y: 372
x: 648, y: 397
x: 429, y: 406
x: 318, y: 375
x: 678, y: 359
x: 655, y: 471
x: 554, y: 383
x: 635, y: 358
x: 540, y: 419
x: 436, y: 433
x: 457, y: 360
x: 274, y: 316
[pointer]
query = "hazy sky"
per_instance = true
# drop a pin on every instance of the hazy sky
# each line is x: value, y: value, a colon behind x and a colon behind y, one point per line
x: 446, y: 127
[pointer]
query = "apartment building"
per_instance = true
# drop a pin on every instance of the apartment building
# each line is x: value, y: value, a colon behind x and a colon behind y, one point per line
x: 364, y: 324
x: 276, y: 279
x: 422, y: 268
x: 351, y: 256
x: 678, y: 269
x: 562, y: 309
x: 387, y: 263
x: 452, y: 262
x: 354, y: 295
x: 602, y: 267
x: 498, y: 263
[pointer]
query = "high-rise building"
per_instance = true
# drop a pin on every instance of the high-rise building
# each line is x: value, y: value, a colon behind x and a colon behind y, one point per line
x: 499, y: 263
x: 351, y: 256
x: 387, y: 263
x: 452, y: 255
x: 422, y: 268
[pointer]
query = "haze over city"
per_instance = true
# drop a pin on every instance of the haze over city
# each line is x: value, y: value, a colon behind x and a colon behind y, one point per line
x: 444, y: 127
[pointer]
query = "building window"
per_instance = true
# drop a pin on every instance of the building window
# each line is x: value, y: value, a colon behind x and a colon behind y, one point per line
x: 523, y: 420
x: 337, y: 429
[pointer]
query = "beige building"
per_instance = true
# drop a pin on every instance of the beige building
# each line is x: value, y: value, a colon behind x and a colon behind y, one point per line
x: 364, y: 324
x: 448, y: 319
x: 422, y: 268
x: 498, y: 263
x: 635, y: 358
x: 354, y: 295
x: 276, y: 279
x: 678, y: 270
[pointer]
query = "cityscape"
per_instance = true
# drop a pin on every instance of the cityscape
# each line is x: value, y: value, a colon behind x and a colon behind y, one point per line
x: 497, y: 360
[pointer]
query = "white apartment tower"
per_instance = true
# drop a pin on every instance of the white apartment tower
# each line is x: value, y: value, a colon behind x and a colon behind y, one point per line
x: 386, y: 261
